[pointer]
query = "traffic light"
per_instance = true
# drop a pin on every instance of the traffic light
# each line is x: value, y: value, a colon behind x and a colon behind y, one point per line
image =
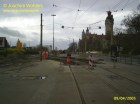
x: 99, y: 27
x: 62, y: 27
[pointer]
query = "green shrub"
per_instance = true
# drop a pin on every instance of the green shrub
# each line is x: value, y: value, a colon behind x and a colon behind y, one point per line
x: 15, y: 50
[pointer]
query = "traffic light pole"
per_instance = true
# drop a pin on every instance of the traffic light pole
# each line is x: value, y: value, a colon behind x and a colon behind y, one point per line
x: 41, y: 39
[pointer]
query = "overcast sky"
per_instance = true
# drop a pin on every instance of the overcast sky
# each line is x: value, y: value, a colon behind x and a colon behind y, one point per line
x: 74, y: 15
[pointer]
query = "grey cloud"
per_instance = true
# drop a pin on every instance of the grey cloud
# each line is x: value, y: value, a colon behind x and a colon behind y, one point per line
x: 91, y: 11
x: 87, y: 6
x: 9, y: 32
x: 35, y: 33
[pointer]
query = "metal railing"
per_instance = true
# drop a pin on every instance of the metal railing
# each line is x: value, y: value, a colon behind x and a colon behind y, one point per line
x: 129, y: 59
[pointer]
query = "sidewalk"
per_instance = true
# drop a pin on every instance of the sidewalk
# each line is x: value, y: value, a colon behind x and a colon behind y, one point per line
x: 43, y: 82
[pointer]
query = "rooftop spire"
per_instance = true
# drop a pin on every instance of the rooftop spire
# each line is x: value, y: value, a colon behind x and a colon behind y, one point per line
x: 87, y: 31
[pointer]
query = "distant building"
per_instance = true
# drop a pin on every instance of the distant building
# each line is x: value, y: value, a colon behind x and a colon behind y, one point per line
x: 2, y: 41
x: 90, y: 42
x: 24, y: 45
x: 19, y: 44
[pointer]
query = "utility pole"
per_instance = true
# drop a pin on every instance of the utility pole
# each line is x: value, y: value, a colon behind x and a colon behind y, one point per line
x: 53, y: 30
x: 73, y: 46
x: 85, y: 45
x: 41, y: 39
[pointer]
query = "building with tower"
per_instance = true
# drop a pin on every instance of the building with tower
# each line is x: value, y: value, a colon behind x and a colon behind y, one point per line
x: 109, y: 22
x: 91, y: 42
x: 100, y: 42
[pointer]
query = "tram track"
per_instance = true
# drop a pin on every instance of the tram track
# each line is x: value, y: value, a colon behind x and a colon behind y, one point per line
x: 120, y: 75
x: 116, y: 90
x: 84, y: 62
x: 120, y: 93
x: 78, y: 87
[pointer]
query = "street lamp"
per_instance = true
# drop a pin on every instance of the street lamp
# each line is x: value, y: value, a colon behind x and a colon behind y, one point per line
x: 53, y: 30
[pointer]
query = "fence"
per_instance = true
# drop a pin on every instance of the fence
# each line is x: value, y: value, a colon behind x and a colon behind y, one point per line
x: 129, y: 59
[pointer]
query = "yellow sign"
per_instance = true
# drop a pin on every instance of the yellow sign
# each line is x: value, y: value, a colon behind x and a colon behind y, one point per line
x: 124, y: 98
x: 22, y: 7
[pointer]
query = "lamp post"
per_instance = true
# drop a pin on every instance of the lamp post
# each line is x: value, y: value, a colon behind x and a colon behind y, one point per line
x: 53, y: 30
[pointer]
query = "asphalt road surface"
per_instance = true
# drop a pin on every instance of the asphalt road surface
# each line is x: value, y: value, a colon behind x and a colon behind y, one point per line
x: 52, y: 82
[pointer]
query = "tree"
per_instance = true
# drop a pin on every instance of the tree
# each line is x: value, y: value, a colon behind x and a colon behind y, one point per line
x: 73, y: 46
x: 130, y: 38
x: 132, y: 22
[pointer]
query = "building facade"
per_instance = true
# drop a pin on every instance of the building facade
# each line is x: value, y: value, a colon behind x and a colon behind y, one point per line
x: 19, y: 44
x: 94, y: 42
x: 91, y: 42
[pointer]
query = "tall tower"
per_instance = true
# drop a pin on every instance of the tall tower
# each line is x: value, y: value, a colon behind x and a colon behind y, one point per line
x: 109, y: 22
x: 83, y: 34
x: 87, y: 31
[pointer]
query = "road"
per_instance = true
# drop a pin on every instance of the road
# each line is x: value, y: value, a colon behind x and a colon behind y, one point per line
x: 52, y: 82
